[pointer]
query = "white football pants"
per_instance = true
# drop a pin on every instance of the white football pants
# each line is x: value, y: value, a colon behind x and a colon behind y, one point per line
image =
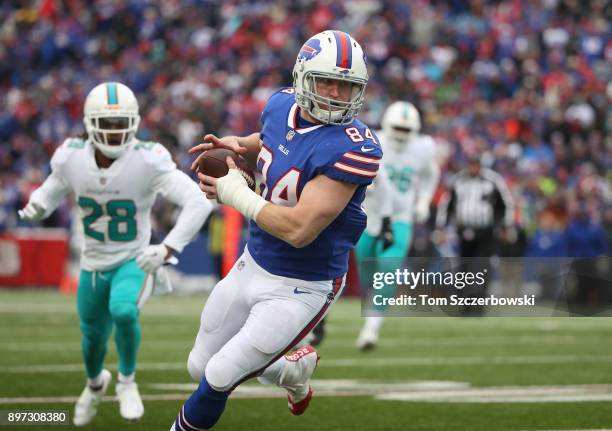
x: 251, y: 319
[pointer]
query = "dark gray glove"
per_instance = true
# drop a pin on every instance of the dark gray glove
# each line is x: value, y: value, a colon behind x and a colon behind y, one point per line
x: 386, y: 233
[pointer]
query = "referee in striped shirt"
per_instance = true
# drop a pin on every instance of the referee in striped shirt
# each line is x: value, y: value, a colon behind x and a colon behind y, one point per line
x: 480, y: 204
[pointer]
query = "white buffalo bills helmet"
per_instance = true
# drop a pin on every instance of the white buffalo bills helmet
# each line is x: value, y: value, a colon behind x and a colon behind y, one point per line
x: 327, y: 55
x: 401, y: 121
x: 111, y: 118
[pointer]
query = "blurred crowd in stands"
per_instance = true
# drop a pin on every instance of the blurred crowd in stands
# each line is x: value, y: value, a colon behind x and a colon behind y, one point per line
x: 524, y: 83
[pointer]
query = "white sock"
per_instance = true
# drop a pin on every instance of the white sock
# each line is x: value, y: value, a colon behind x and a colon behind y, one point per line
x: 272, y: 374
x: 127, y: 379
x: 96, y: 382
x: 305, y: 341
x: 374, y: 323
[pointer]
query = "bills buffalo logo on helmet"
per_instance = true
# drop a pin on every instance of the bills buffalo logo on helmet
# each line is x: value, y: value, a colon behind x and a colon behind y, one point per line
x: 310, y: 49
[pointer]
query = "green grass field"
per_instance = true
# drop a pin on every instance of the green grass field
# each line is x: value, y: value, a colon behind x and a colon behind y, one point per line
x: 428, y: 373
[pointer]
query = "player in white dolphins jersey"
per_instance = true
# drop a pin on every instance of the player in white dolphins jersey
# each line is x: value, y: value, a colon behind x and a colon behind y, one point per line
x: 409, y: 159
x: 115, y: 203
x: 115, y: 178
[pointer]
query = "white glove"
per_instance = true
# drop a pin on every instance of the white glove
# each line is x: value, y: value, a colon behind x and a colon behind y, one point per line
x: 233, y: 190
x: 421, y: 212
x: 158, y: 283
x: 153, y: 257
x: 32, y: 212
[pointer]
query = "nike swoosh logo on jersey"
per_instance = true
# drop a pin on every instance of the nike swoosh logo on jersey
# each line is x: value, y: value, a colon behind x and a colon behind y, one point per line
x: 298, y: 291
x: 366, y: 150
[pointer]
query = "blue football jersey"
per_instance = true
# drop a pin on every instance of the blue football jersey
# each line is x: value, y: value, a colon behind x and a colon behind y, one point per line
x: 290, y: 157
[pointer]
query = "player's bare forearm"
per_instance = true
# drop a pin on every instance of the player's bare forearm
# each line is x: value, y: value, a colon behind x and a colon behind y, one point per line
x: 322, y: 200
x: 289, y: 225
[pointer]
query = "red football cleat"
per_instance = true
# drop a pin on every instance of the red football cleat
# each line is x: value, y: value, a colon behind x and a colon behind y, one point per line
x: 301, y: 406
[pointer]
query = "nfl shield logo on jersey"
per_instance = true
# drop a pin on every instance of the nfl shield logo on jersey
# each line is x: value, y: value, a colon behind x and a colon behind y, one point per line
x: 290, y: 135
x: 102, y: 181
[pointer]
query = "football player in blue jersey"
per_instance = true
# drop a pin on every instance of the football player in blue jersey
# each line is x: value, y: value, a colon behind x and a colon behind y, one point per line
x: 316, y: 160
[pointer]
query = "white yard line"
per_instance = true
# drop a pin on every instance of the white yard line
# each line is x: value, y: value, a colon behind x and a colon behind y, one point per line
x: 362, y: 362
x: 506, y: 394
x: 467, y: 360
x: 193, y: 309
x: 70, y: 308
x: 327, y: 388
x: 59, y: 346
x: 416, y: 391
x: 71, y: 400
x: 351, y: 386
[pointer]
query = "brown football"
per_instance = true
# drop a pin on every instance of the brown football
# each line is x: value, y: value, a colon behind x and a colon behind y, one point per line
x: 213, y: 164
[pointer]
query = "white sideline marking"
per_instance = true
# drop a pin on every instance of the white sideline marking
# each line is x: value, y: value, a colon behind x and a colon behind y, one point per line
x: 416, y: 391
x: 348, y: 362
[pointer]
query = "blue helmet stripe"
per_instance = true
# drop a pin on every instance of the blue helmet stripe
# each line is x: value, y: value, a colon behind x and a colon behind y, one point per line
x: 338, y: 55
x: 344, y: 50
x: 350, y: 51
x: 111, y: 93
